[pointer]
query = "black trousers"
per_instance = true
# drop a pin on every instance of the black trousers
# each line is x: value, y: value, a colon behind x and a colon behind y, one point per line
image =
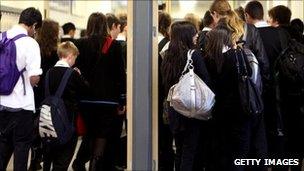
x: 59, y: 156
x: 165, y: 140
x: 293, y: 119
x: 16, y: 137
x: 187, y: 134
x: 239, y: 136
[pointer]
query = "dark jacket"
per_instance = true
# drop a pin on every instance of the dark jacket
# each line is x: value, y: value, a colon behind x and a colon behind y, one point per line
x: 74, y: 90
x: 255, y: 44
x: 104, y: 72
x: 202, y: 40
x: 272, y: 42
x: 225, y: 86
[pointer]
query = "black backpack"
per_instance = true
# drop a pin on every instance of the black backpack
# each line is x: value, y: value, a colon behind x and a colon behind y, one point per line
x: 54, y: 125
x: 250, y: 95
x: 289, y: 67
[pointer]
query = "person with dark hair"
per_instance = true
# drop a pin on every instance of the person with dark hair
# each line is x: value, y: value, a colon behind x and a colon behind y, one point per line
x: 113, y: 25
x: 69, y: 30
x: 209, y: 24
x: 298, y: 25
x: 291, y: 91
x: 47, y: 38
x: 279, y: 16
x: 165, y: 140
x: 17, y: 109
x: 115, y: 148
x: 162, y: 7
x: 123, y: 22
x: 101, y: 63
x: 164, y: 22
x: 254, y: 13
x: 187, y: 132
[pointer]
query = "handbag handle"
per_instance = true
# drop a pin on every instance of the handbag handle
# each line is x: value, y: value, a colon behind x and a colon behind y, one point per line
x: 189, y: 61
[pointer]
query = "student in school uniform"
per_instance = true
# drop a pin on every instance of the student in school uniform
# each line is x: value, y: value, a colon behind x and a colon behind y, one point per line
x: 60, y: 156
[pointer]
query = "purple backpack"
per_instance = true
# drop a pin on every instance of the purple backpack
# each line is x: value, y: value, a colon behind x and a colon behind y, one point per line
x: 9, y: 73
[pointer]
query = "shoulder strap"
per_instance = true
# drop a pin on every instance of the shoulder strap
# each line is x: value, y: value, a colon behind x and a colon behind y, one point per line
x: 240, y: 63
x: 47, y: 86
x: 19, y: 36
x: 162, y: 43
x: 3, y: 35
x: 189, y: 60
x: 63, y: 82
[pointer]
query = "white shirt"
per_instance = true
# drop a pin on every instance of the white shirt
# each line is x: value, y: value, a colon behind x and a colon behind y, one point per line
x: 207, y: 29
x: 260, y: 24
x: 163, y: 50
x: 66, y: 36
x: 121, y: 37
x: 160, y: 37
x: 62, y: 63
x: 28, y: 57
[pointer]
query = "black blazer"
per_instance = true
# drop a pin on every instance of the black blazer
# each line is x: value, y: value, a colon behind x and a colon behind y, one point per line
x: 225, y: 86
x: 74, y: 90
x: 104, y: 72
x: 255, y: 44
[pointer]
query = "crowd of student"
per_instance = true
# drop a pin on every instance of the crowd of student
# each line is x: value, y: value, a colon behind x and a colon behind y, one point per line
x: 96, y: 85
x: 90, y: 75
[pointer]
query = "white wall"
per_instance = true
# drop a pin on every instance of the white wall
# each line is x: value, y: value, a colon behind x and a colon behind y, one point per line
x: 81, y: 10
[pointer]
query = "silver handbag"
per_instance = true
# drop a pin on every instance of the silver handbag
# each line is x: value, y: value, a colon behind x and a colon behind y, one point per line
x: 191, y: 97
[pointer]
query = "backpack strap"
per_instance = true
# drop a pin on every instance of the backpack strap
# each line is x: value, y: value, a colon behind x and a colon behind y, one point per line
x: 3, y: 35
x: 47, y: 84
x: 162, y: 44
x: 63, y: 82
x: 22, y: 71
x: 19, y: 36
